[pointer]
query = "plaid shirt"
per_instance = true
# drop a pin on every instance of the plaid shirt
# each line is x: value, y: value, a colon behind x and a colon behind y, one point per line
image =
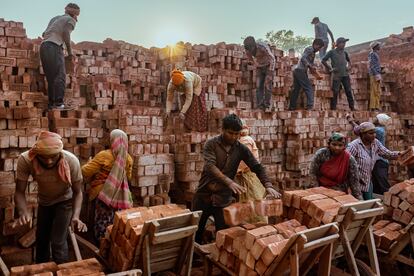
x: 366, y: 159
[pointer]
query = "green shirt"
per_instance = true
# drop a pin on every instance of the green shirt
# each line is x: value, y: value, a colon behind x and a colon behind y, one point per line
x: 339, y: 61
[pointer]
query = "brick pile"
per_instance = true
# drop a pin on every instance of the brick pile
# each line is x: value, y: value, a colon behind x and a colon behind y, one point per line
x: 315, y: 206
x: 88, y: 267
x: 121, y: 239
x: 250, y: 249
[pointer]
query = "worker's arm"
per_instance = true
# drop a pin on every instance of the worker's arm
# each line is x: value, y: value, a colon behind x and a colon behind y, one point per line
x: 170, y: 97
x: 189, y: 92
x: 331, y: 35
x: 94, y: 165
x: 77, y: 224
x: 66, y: 36
x: 353, y: 179
x: 325, y: 61
x: 211, y: 168
x: 305, y: 57
x: 25, y: 216
x: 386, y: 153
x: 129, y: 167
x: 259, y: 170
x: 348, y: 60
x: 271, y: 57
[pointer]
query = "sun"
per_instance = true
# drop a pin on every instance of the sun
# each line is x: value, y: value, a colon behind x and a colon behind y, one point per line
x: 170, y: 36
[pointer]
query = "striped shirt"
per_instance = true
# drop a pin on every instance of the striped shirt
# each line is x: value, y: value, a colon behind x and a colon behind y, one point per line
x: 374, y: 65
x: 366, y: 158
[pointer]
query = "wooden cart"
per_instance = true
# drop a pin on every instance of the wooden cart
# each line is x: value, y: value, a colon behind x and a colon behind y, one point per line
x: 355, y: 226
x: 299, y: 255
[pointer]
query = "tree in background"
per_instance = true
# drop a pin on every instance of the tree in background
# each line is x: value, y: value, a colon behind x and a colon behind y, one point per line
x: 286, y: 39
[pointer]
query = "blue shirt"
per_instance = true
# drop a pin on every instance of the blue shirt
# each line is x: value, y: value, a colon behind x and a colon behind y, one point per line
x: 374, y: 63
x: 380, y: 133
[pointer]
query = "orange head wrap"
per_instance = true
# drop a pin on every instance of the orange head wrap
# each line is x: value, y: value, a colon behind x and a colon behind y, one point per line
x: 177, y: 77
x: 47, y: 144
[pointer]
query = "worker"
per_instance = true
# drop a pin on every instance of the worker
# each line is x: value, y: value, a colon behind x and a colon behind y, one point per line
x: 380, y: 172
x: 222, y: 156
x: 335, y: 168
x: 59, y: 179
x: 56, y: 35
x: 300, y: 75
x: 246, y: 178
x: 375, y: 78
x: 109, y: 171
x: 259, y: 52
x: 194, y: 111
x: 321, y: 32
x: 340, y: 67
x: 367, y: 149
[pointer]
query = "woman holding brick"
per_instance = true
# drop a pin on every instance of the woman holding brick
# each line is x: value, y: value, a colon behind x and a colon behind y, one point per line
x: 109, y: 172
x: 193, y: 112
x: 335, y: 168
x: 248, y: 179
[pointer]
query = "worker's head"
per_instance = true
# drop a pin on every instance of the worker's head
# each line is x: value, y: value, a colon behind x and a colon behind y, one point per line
x: 318, y: 44
x: 366, y: 131
x: 73, y: 10
x: 245, y: 129
x: 118, y: 139
x: 250, y: 45
x: 177, y: 77
x: 375, y: 45
x: 381, y: 119
x: 47, y: 149
x: 315, y: 20
x: 232, y: 126
x: 340, y: 42
x: 337, y: 143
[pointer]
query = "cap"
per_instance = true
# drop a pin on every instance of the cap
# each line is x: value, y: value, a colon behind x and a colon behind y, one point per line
x: 374, y: 44
x: 314, y: 20
x: 341, y: 40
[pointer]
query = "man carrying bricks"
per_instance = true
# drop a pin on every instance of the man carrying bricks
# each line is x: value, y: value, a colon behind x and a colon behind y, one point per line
x: 222, y: 156
x: 265, y: 61
x: 340, y: 67
x: 55, y: 36
x: 59, y: 178
x: 300, y: 75
x: 321, y: 31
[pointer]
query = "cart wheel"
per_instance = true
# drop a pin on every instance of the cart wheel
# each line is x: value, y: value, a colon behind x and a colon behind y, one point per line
x: 363, y: 268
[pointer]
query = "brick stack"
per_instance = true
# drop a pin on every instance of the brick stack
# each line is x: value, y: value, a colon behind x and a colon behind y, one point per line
x: 314, y: 206
x: 122, y: 238
x: 399, y: 202
x: 88, y: 267
x: 249, y: 250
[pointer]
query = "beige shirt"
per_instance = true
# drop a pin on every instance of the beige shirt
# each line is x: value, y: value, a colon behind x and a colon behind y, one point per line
x: 59, y: 29
x: 191, y: 85
x: 51, y: 188
x: 251, y: 144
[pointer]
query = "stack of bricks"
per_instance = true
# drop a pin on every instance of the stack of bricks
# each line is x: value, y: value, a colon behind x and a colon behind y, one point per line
x: 249, y: 249
x: 88, y: 267
x: 386, y: 233
x: 315, y: 206
x: 399, y: 202
x: 121, y: 239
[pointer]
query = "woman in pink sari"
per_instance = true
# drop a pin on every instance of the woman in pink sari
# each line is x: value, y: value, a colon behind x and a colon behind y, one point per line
x: 335, y: 168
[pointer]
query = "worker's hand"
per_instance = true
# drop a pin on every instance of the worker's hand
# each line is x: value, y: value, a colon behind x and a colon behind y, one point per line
x: 333, y: 45
x: 181, y: 116
x: 378, y: 77
x: 312, y: 70
x: 24, y: 219
x: 236, y: 188
x: 272, y: 192
x: 78, y: 225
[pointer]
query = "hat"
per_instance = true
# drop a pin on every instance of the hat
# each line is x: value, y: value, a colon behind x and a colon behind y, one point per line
x: 177, y: 77
x: 374, y: 44
x: 341, y: 40
x: 314, y: 20
x: 365, y: 127
x: 383, y: 118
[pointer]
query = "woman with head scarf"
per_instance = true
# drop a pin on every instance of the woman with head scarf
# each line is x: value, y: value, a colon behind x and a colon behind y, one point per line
x: 333, y: 167
x: 248, y: 179
x: 109, y: 172
x: 380, y: 171
x: 367, y: 150
x: 59, y: 181
x: 194, y: 111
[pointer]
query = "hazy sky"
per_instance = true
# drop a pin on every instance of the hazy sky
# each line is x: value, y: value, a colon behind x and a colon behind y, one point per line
x: 162, y: 22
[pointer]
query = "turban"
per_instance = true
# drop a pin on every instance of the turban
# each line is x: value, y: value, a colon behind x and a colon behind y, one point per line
x: 383, y: 119
x: 177, y: 77
x: 364, y: 127
x: 48, y: 144
x: 337, y: 137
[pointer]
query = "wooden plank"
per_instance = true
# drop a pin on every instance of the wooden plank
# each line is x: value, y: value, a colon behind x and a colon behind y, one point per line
x: 3, y: 267
x: 405, y: 260
x: 356, y: 224
x: 163, y: 265
x: 294, y: 261
x: 319, y: 232
x: 161, y: 255
x: 368, y: 213
x: 283, y: 256
x: 309, y: 246
x: 325, y: 261
x: 372, y: 251
x: 397, y: 247
x: 173, y: 234
x: 134, y: 272
x: 361, y: 205
x: 362, y: 232
x: 348, y: 252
